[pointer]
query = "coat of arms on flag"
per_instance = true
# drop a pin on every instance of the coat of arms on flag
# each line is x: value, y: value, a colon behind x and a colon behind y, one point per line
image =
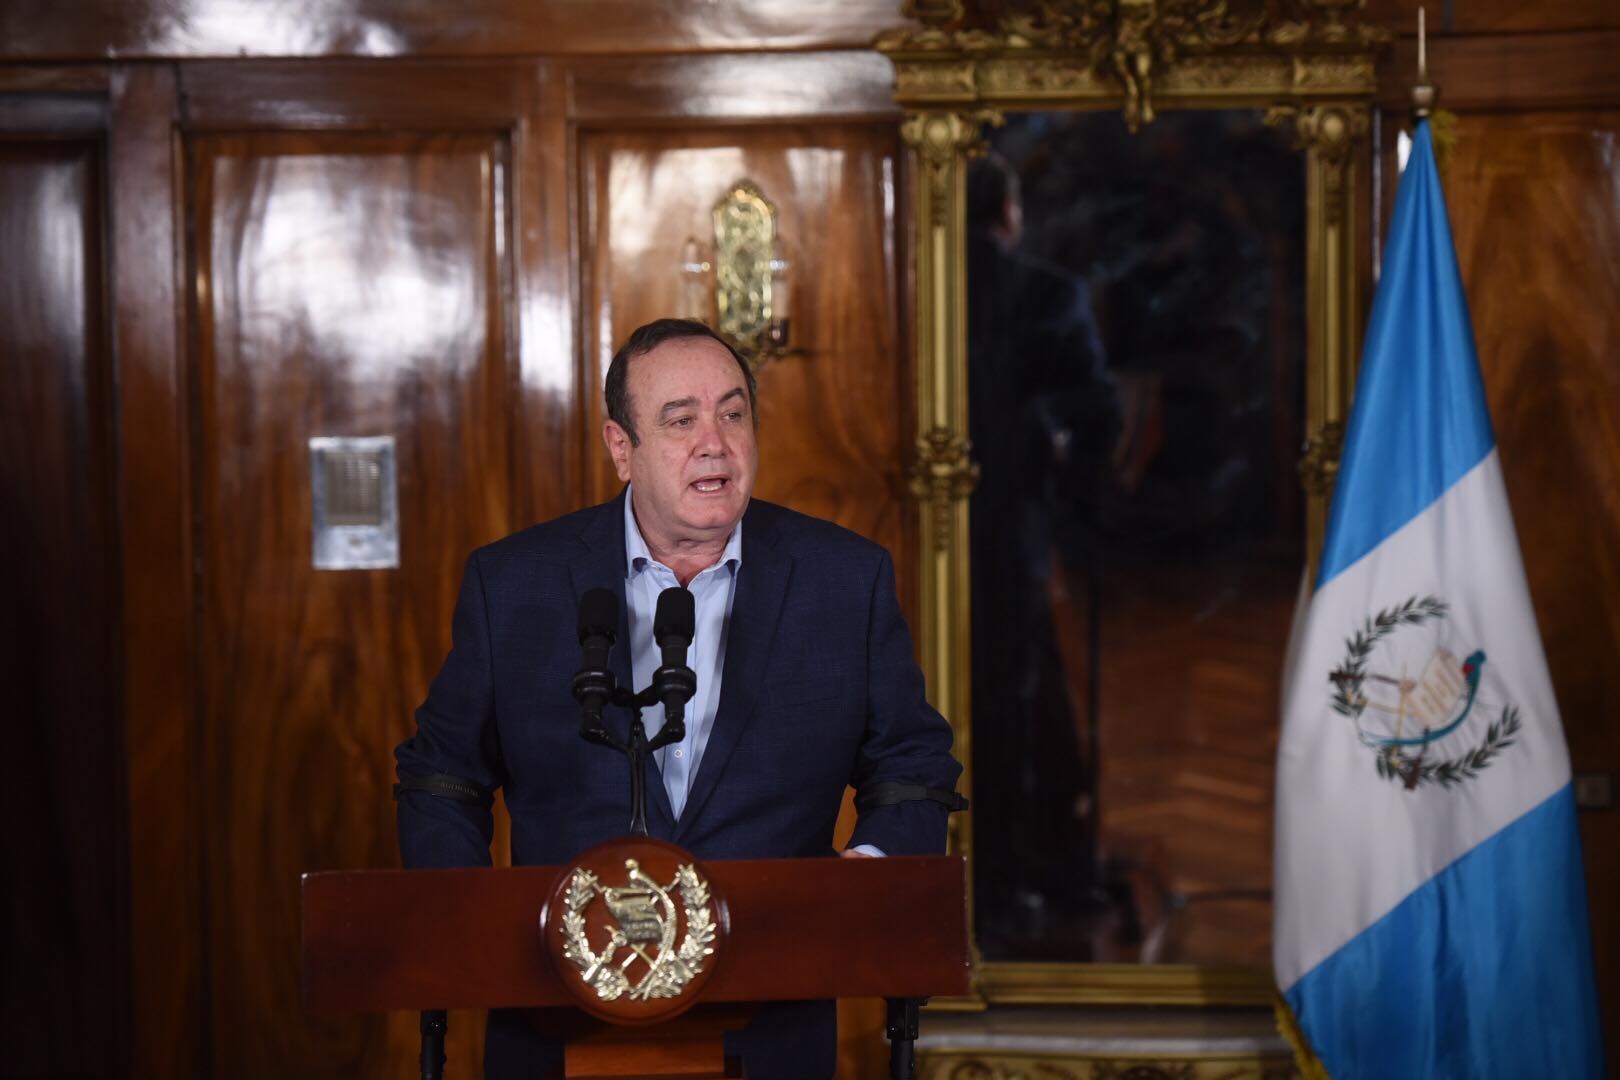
x: 1412, y: 698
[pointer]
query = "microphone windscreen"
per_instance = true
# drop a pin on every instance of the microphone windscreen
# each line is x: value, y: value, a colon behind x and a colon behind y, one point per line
x: 598, y: 614
x: 676, y: 616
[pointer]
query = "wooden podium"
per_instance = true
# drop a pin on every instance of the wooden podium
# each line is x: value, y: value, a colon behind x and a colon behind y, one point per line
x: 651, y: 956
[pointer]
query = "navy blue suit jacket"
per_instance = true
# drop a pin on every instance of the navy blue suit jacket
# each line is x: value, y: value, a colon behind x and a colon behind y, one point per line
x: 819, y: 690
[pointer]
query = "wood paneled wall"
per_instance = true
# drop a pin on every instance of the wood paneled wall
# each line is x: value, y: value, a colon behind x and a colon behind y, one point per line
x: 345, y: 247
x: 437, y: 226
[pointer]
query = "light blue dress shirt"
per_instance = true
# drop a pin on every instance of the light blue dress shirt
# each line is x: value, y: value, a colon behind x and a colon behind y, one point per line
x: 713, y: 591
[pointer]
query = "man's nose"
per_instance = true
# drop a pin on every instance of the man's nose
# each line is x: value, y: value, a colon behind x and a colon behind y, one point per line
x: 710, y: 442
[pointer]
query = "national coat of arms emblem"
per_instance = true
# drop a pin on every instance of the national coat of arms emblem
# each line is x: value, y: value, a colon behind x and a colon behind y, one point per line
x: 643, y: 925
x: 1415, y: 703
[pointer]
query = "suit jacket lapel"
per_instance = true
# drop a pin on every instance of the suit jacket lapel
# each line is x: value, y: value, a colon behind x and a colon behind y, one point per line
x: 762, y: 581
x: 601, y: 565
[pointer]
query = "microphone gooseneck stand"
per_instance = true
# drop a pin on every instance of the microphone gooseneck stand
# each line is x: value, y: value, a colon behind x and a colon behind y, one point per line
x: 638, y: 746
x: 673, y: 684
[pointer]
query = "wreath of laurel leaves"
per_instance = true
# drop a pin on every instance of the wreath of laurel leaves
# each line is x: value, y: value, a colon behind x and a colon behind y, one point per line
x: 609, y: 982
x: 1498, y: 737
x: 700, y: 927
x: 1358, y: 647
x: 1392, y: 764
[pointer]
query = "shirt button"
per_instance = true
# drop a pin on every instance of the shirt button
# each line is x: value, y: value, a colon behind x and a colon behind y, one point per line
x: 678, y: 752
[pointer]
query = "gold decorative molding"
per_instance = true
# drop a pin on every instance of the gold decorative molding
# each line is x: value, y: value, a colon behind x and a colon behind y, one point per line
x: 1334, y: 74
x: 1054, y: 78
x: 1319, y: 468
x: 1334, y: 137
x: 942, y: 140
x: 932, y: 12
x: 1133, y: 40
x: 1002, y: 1067
x: 946, y: 81
x: 1143, y: 54
x: 1109, y: 1044
x: 1330, y: 133
x: 1124, y: 984
x: 943, y: 476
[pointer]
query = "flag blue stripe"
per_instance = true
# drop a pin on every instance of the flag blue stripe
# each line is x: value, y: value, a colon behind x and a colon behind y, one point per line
x: 1419, y: 421
x: 1483, y: 971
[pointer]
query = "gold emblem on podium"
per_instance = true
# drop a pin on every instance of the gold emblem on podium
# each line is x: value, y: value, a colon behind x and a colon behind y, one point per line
x: 643, y: 925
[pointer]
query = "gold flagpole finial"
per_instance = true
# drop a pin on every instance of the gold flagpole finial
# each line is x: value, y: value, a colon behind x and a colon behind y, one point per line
x: 1424, y: 92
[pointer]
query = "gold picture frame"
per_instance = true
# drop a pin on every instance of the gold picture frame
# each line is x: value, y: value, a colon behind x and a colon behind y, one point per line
x: 958, y: 71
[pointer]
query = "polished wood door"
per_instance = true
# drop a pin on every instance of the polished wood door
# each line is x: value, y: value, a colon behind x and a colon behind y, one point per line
x: 344, y: 284
x: 63, y: 992
x: 834, y: 420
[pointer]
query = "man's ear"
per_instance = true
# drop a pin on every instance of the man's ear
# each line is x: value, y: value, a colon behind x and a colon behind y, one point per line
x: 617, y: 441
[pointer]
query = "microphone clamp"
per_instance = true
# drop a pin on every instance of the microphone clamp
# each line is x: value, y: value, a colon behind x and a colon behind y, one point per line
x: 594, y: 689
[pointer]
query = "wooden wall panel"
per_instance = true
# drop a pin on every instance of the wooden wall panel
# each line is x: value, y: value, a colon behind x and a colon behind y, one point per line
x: 346, y: 284
x: 833, y: 422
x: 1508, y: 71
x: 164, y: 811
x: 1495, y: 16
x: 145, y: 29
x: 1535, y: 211
x: 547, y: 444
x: 63, y: 988
x: 733, y: 86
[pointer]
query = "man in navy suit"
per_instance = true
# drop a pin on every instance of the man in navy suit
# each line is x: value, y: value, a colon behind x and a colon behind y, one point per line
x: 804, y: 663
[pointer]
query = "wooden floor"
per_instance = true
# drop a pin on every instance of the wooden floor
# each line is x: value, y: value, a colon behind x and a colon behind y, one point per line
x: 1191, y: 659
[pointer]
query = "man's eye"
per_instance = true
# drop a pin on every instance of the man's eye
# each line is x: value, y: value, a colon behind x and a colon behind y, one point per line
x: 681, y: 421
x: 734, y: 415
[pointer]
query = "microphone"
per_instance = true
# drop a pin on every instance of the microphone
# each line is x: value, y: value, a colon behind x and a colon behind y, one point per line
x: 674, y: 622
x: 594, y: 684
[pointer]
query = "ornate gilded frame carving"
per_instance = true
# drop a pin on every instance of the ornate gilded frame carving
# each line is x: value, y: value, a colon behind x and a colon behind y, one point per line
x: 956, y: 73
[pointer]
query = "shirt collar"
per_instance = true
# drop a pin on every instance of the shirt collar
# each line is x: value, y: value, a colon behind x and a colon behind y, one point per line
x: 635, y: 545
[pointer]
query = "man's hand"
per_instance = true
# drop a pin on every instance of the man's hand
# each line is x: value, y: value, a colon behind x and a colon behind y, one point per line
x: 851, y: 853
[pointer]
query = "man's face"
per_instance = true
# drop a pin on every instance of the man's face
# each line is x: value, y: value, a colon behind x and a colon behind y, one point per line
x: 693, y: 471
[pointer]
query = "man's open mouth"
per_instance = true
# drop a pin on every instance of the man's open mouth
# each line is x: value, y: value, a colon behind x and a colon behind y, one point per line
x: 710, y: 484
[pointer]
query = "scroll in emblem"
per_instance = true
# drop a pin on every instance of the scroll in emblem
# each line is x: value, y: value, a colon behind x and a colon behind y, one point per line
x: 644, y: 926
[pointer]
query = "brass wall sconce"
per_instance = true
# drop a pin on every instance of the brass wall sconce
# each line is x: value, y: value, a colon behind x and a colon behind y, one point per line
x: 742, y: 289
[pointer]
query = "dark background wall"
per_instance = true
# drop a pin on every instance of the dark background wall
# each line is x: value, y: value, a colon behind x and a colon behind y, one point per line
x: 224, y: 236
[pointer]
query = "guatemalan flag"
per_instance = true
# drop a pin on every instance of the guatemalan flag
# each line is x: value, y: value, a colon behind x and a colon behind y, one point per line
x: 1430, y: 901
